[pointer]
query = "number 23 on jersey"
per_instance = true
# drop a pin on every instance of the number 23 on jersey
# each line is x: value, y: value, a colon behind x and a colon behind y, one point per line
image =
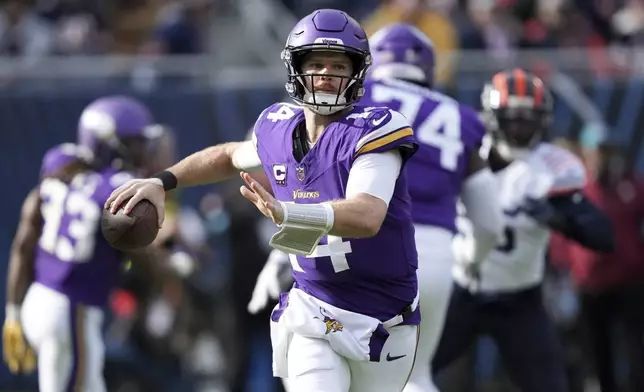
x: 71, y: 239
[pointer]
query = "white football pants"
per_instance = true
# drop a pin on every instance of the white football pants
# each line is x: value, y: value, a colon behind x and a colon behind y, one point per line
x: 67, y: 339
x: 313, y: 366
x: 435, y: 261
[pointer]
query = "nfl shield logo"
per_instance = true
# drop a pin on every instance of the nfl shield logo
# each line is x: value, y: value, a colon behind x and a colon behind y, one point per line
x: 300, y: 173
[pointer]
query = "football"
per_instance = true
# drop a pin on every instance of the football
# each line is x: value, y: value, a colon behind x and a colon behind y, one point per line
x: 130, y: 232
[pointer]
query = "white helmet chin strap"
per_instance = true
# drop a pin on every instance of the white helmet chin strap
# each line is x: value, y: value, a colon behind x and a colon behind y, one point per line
x: 313, y: 101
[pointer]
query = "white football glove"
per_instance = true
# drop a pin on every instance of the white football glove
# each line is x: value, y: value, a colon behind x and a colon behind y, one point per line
x: 463, y: 250
x: 269, y: 282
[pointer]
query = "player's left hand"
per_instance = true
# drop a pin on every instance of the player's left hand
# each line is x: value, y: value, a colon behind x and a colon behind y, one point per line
x: 463, y: 249
x: 267, y: 286
x: 17, y: 354
x: 263, y: 200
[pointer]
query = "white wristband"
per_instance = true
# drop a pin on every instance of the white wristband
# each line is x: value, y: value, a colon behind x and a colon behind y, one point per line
x: 314, y: 216
x: 303, y: 227
x: 12, y: 312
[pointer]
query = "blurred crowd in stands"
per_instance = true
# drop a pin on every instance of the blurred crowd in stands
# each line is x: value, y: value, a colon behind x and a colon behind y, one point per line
x: 44, y: 27
x: 36, y: 28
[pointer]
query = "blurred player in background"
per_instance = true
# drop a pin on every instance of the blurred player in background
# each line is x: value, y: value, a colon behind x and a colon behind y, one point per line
x: 447, y: 165
x: 17, y: 353
x: 541, y: 191
x: 336, y: 169
x: 60, y: 254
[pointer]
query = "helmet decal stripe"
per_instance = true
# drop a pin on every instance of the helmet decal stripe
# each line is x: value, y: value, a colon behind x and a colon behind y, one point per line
x: 520, y: 82
x: 500, y: 82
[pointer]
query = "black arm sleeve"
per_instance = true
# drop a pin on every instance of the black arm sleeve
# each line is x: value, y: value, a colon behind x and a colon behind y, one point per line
x: 581, y: 221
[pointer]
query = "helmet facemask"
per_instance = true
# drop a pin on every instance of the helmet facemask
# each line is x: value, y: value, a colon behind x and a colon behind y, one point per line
x: 323, y: 102
x: 517, y: 126
x: 519, y: 133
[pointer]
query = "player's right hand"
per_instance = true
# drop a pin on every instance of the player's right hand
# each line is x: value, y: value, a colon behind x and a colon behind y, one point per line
x: 17, y: 354
x: 254, y: 192
x: 150, y: 189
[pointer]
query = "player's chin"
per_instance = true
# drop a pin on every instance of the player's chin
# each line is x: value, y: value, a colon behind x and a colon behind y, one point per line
x: 327, y: 91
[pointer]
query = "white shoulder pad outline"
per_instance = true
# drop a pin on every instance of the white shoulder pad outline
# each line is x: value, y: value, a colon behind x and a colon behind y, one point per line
x: 396, y: 128
x: 567, y: 169
x: 252, y: 135
x: 570, y: 179
x: 253, y: 138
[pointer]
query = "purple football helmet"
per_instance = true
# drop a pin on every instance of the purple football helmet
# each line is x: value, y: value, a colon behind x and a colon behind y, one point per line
x: 331, y: 31
x: 401, y: 51
x: 116, y: 129
x: 62, y: 155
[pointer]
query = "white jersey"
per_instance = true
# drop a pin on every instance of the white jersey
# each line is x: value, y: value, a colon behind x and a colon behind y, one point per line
x: 518, y: 262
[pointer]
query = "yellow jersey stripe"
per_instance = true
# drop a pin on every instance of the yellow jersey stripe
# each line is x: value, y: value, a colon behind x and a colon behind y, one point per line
x: 383, y: 141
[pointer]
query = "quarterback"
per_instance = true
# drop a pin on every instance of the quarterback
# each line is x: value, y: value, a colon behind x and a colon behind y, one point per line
x: 450, y: 163
x: 447, y: 165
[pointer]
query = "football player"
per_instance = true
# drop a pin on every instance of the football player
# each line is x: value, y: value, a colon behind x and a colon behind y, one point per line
x: 351, y: 320
x: 59, y: 239
x: 447, y: 165
x: 540, y: 191
x: 18, y: 354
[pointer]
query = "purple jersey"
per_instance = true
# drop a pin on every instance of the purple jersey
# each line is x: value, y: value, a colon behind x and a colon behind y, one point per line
x: 72, y: 256
x: 373, y: 276
x: 447, y: 133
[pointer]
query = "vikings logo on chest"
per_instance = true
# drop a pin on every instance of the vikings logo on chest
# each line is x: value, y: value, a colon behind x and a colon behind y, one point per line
x: 280, y: 173
x: 300, y: 172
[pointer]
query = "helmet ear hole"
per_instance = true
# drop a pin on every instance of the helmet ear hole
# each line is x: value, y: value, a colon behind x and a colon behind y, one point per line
x: 356, y: 62
x: 296, y: 61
